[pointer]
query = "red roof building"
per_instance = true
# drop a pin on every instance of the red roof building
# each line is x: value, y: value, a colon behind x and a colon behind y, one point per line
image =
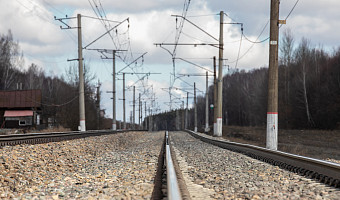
x: 19, y: 109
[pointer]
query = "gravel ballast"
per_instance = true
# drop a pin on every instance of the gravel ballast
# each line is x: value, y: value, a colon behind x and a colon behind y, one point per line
x: 235, y: 176
x: 117, y: 166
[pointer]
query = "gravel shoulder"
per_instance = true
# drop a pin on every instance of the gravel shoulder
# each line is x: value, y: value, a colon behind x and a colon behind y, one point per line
x: 236, y: 176
x: 118, y: 166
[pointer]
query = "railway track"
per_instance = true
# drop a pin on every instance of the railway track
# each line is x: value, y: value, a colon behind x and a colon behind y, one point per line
x: 320, y: 170
x: 38, y: 138
x: 169, y: 183
x: 174, y: 186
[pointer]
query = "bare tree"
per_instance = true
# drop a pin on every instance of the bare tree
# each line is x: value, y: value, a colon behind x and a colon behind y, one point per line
x: 34, y: 77
x: 287, y: 50
x: 10, y: 59
x: 286, y: 58
x: 302, y: 57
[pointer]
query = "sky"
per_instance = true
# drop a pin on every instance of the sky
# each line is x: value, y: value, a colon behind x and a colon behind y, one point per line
x: 44, y: 43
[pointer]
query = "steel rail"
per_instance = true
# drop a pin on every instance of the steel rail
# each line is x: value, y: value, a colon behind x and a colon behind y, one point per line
x: 37, y: 138
x: 172, y: 183
x: 323, y: 171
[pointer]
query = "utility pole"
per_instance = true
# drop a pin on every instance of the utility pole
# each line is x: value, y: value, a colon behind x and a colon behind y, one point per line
x: 215, y: 98
x: 134, y: 108
x: 206, y: 97
x: 134, y: 99
x: 131, y: 125
x: 140, y: 113
x: 195, y: 107
x: 177, y: 120
x: 103, y: 51
x: 272, y: 112
x: 151, y: 123
x: 150, y: 119
x: 124, y: 122
x: 98, y: 104
x: 207, y: 104
x: 146, y: 121
x: 114, y: 123
x: 82, y: 122
x: 186, y: 112
x: 219, y: 121
x: 182, y: 116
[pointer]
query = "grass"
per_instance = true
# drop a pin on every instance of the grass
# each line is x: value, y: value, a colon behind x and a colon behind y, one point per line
x: 321, y: 144
x: 49, y: 130
x: 23, y: 131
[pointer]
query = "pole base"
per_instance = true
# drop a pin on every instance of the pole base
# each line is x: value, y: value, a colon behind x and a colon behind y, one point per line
x: 82, y: 125
x: 272, y: 130
x: 207, y: 128
x: 219, y: 127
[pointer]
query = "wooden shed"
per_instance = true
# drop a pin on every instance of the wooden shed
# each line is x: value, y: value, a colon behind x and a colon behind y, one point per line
x: 20, y: 108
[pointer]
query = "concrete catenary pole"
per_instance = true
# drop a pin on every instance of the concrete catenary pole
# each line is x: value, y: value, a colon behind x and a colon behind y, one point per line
x: 215, y: 96
x: 124, y: 122
x: 134, y: 107
x: 150, y: 119
x: 219, y: 81
x: 272, y: 112
x: 140, y: 113
x: 82, y: 121
x: 182, y: 116
x: 146, y: 121
x: 114, y: 122
x: 186, y: 112
x: 177, y: 120
x: 206, y: 103
x: 98, y: 105
x: 152, y: 124
x: 195, y: 107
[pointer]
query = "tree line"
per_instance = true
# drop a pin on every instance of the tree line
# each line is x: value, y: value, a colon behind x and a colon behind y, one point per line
x: 60, y: 97
x: 309, y: 90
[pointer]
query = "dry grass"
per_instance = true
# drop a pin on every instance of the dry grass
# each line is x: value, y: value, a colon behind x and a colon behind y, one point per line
x: 49, y: 130
x: 23, y: 131
x: 319, y: 144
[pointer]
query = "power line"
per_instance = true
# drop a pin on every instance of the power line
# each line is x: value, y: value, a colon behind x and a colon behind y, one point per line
x: 100, y: 12
x: 290, y: 12
x: 35, y: 58
x: 195, y: 26
x: 179, y: 30
x: 107, y: 32
x: 195, y: 64
x: 207, y: 15
x: 50, y: 5
x: 251, y: 45
x: 32, y: 11
x: 104, y: 24
x: 117, y: 43
x: 256, y: 42
x: 189, y: 36
x: 100, y: 19
x: 238, y: 54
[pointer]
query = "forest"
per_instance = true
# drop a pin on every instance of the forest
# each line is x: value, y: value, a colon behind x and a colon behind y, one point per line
x: 309, y: 91
x: 59, y: 94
